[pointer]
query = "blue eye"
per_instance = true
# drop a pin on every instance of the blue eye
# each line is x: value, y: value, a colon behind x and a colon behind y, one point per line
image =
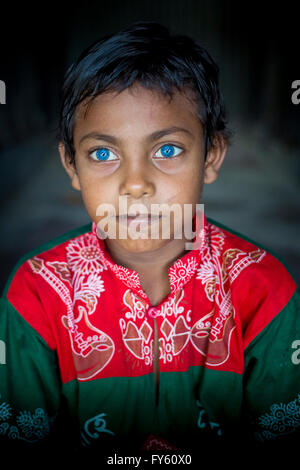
x: 102, y: 154
x: 167, y: 151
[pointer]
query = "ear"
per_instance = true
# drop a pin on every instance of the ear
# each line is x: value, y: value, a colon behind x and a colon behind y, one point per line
x: 214, y: 159
x: 69, y: 167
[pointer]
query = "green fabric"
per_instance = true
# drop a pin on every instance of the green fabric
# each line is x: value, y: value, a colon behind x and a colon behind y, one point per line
x: 272, y: 378
x: 29, y: 380
x: 189, y: 408
x: 192, y: 404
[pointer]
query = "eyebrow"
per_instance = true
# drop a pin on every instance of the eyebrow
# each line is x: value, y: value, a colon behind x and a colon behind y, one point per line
x: 151, y: 137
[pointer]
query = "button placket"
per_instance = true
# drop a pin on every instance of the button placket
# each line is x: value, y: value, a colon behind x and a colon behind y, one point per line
x: 152, y: 312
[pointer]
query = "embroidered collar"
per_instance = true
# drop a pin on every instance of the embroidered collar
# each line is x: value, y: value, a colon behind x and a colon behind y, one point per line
x: 181, y: 271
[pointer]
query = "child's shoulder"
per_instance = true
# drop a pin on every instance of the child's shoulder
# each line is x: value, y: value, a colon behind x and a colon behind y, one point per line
x: 54, y: 250
x: 233, y: 238
x: 261, y: 286
x: 238, y: 252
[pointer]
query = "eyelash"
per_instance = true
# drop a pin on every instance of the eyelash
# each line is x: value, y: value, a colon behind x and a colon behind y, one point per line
x: 157, y: 158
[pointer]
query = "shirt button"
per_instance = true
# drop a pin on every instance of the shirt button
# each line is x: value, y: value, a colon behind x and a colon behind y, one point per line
x: 153, y: 312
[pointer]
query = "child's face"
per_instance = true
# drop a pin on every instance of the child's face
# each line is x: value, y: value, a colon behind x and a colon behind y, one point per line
x: 133, y: 132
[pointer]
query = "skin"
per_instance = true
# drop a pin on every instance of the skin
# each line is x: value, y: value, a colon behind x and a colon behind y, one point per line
x: 130, y: 118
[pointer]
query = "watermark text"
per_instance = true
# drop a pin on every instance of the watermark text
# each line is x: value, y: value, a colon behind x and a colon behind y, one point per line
x: 296, y: 354
x: 296, y: 94
x: 159, y: 221
x: 2, y: 92
x: 2, y: 352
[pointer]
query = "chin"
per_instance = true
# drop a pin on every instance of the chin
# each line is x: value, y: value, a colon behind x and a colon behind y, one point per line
x: 143, y: 245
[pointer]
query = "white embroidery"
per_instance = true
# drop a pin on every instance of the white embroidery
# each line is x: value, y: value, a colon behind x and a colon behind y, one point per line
x: 38, y: 266
x: 96, y: 348
x: 180, y: 273
x: 88, y: 290
x: 83, y: 255
x: 136, y: 339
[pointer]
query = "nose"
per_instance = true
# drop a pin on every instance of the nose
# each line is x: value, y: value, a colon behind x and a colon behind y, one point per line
x: 136, y: 181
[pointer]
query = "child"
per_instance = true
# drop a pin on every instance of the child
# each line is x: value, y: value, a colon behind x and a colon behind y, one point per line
x: 137, y: 342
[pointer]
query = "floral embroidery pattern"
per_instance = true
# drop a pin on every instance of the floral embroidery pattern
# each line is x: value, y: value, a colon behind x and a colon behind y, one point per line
x: 282, y: 419
x: 5, y: 411
x: 83, y: 255
x: 31, y: 427
x: 79, y: 284
x: 88, y: 290
x: 207, y: 272
x: 35, y: 424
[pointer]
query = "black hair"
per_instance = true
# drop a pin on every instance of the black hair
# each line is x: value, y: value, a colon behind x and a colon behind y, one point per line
x: 147, y: 54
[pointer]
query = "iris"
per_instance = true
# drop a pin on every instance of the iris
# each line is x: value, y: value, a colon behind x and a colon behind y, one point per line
x: 102, y: 154
x: 167, y: 150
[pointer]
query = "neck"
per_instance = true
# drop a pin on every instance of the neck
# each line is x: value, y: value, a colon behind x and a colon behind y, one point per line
x: 154, y: 261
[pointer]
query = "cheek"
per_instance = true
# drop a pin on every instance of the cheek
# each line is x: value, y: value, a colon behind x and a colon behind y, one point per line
x: 185, y: 188
x: 94, y: 195
x: 181, y: 165
x: 194, y: 182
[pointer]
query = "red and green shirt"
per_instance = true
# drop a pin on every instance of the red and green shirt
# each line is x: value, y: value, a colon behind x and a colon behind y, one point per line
x: 78, y: 334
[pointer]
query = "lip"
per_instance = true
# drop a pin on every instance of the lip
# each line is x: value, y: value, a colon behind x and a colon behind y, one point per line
x: 144, y: 219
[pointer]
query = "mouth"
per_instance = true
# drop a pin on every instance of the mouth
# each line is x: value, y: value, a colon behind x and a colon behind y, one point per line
x: 141, y: 219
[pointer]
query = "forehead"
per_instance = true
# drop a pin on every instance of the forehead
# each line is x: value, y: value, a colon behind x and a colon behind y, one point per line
x: 137, y: 109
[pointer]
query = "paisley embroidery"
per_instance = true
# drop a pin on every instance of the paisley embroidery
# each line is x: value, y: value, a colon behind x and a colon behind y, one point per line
x: 180, y: 273
x: 92, y: 427
x: 90, y: 354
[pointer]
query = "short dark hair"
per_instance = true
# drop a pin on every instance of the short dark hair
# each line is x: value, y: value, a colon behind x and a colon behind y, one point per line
x: 147, y: 54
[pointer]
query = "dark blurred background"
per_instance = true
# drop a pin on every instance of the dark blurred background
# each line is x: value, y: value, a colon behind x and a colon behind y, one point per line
x: 256, y: 45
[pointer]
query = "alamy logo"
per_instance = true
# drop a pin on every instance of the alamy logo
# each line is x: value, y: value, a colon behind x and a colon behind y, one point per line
x: 2, y: 352
x: 296, y: 354
x: 139, y: 221
x: 296, y: 94
x: 2, y: 92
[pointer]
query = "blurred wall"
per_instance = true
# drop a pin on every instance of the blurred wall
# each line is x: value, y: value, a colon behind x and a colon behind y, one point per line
x: 255, y: 45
